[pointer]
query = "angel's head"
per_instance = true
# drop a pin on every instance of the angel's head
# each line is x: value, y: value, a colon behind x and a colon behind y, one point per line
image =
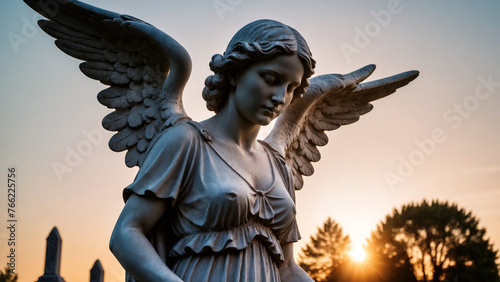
x: 256, y: 42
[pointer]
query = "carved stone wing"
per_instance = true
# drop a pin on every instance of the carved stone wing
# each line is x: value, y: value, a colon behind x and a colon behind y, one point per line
x: 145, y: 68
x: 331, y: 100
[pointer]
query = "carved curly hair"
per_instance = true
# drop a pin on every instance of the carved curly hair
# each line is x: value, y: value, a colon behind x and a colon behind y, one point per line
x: 257, y: 41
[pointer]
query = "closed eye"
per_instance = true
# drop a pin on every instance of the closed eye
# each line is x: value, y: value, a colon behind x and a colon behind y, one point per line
x: 293, y: 86
x: 270, y: 78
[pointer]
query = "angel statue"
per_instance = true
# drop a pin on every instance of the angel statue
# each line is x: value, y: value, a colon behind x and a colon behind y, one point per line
x: 210, y: 202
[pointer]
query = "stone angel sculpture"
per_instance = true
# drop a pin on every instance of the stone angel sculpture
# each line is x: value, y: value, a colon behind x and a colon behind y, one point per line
x: 210, y: 202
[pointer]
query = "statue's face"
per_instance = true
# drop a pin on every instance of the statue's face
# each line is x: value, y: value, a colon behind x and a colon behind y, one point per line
x: 266, y: 88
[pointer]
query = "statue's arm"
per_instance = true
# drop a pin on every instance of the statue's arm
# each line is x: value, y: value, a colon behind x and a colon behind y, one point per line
x: 131, y: 247
x: 289, y: 270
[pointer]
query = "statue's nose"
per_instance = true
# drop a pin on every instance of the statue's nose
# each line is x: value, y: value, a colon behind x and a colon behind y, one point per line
x: 278, y: 97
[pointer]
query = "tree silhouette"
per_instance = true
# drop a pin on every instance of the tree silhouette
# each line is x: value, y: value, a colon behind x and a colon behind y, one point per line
x: 432, y: 242
x: 7, y: 275
x: 325, y: 253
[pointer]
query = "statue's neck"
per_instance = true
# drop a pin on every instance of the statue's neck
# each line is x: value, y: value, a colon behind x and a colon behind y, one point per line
x: 232, y: 128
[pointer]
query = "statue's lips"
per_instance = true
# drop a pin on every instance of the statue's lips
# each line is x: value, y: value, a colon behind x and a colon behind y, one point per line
x: 271, y: 110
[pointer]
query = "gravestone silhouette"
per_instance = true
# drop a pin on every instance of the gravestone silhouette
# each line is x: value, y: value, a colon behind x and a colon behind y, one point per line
x: 97, y: 272
x: 52, y: 258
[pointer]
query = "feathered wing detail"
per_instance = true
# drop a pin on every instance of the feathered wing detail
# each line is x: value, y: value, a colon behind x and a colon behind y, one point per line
x: 145, y: 68
x: 331, y: 100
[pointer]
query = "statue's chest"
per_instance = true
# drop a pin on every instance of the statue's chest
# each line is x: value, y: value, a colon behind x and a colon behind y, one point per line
x: 224, y: 199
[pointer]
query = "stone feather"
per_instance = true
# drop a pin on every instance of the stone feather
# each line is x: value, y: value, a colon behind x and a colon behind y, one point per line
x: 145, y: 68
x: 331, y: 101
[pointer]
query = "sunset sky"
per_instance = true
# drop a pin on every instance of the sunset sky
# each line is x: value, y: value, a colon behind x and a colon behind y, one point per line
x: 437, y: 138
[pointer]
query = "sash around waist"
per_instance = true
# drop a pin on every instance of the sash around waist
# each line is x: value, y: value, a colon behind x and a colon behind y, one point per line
x: 237, y: 238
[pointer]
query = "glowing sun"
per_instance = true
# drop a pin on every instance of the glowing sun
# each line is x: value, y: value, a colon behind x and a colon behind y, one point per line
x: 358, y: 254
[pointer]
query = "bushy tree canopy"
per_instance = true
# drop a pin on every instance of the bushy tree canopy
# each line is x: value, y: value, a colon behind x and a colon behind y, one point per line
x: 432, y: 242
